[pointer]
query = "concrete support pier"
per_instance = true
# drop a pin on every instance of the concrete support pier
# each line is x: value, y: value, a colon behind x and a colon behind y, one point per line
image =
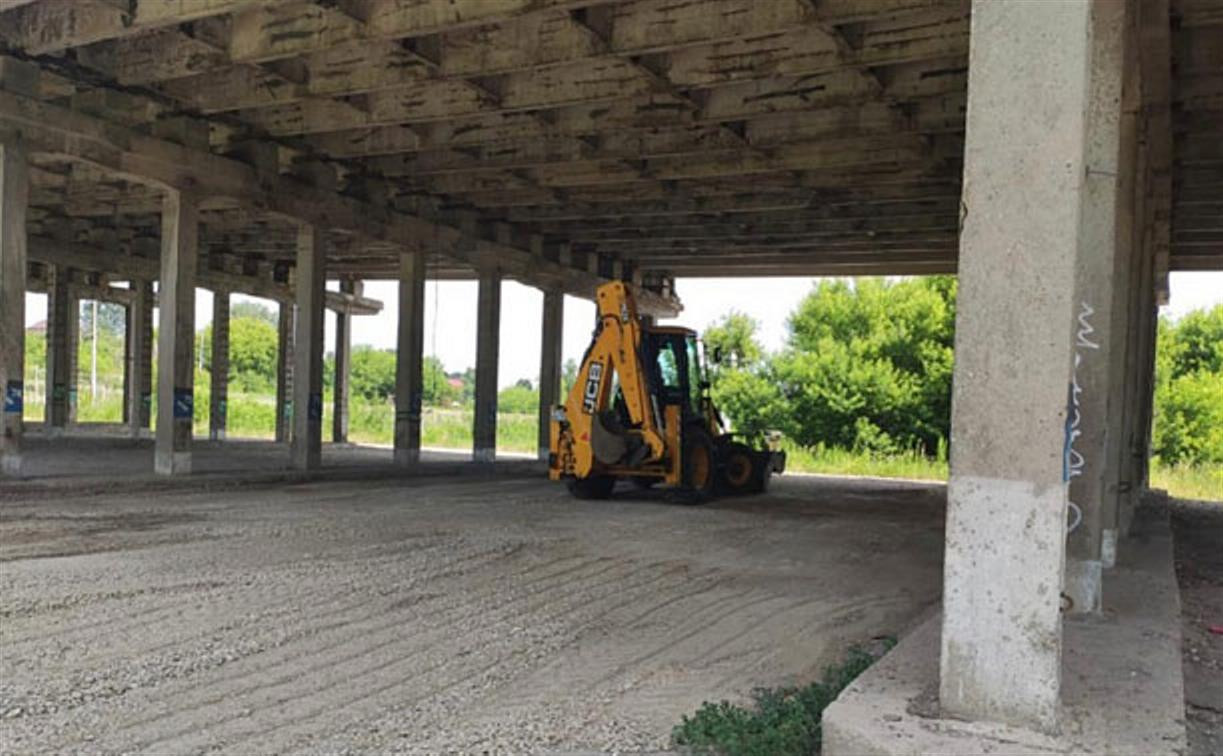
x: 306, y: 445
x: 550, y: 363
x: 61, y: 320
x: 409, y: 359
x: 1007, y: 496
x: 219, y: 363
x: 140, y: 355
x: 284, y: 373
x: 488, y: 337
x: 14, y: 201
x: 1095, y: 361
x: 343, y: 365
x: 176, y: 334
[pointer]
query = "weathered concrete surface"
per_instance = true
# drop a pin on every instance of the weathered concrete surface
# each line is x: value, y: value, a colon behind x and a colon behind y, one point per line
x: 438, y: 615
x: 1122, y: 691
x: 1006, y: 500
x: 176, y: 333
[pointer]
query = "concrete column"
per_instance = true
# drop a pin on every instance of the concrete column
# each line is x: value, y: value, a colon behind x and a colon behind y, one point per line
x: 140, y: 354
x: 284, y: 373
x: 343, y: 365
x: 61, y: 321
x: 176, y: 334
x: 306, y: 445
x: 14, y: 201
x: 219, y: 374
x: 1095, y: 361
x: 488, y: 332
x: 409, y: 357
x: 550, y: 364
x: 74, y: 355
x: 1007, y: 498
x: 1124, y: 279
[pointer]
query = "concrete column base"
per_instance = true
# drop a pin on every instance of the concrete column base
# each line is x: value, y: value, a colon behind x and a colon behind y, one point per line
x: 407, y: 457
x: 175, y: 463
x: 10, y: 465
x: 1082, y: 587
x: 484, y: 456
x: 1123, y: 688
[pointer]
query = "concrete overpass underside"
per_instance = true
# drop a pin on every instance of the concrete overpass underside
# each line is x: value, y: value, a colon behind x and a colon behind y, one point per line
x: 1060, y: 158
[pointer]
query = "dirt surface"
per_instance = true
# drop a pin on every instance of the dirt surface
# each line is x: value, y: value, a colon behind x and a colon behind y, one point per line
x: 1198, y: 530
x: 461, y: 614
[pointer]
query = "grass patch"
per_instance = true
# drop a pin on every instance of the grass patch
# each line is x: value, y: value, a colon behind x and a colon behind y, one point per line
x: 830, y: 461
x: 780, y: 722
x: 1202, y: 482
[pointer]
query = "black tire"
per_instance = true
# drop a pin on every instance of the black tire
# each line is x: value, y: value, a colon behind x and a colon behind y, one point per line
x: 761, y: 475
x: 594, y: 487
x: 699, y: 467
x: 739, y: 469
x: 643, y: 484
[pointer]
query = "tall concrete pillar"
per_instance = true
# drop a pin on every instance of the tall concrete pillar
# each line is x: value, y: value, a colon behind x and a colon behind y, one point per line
x: 140, y: 358
x: 61, y: 321
x: 284, y: 373
x: 488, y: 333
x: 1007, y: 497
x: 409, y: 357
x: 219, y: 374
x: 550, y: 364
x: 176, y: 334
x: 1095, y: 360
x: 343, y: 366
x: 305, y: 450
x: 1124, y: 282
x: 14, y: 201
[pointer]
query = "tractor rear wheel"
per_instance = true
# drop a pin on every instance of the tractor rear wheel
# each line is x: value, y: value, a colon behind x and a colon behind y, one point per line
x: 594, y: 487
x: 699, y: 466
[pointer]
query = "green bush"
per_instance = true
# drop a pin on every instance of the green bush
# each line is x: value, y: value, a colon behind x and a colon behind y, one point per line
x: 780, y: 722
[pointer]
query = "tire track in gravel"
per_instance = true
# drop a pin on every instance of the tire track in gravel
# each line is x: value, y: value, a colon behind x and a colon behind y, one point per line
x: 559, y: 636
x: 400, y: 670
x: 384, y: 626
x: 289, y: 608
x: 709, y: 582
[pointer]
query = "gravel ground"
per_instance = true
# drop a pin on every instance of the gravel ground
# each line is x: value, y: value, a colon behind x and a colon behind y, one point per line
x: 460, y: 614
x: 1198, y: 530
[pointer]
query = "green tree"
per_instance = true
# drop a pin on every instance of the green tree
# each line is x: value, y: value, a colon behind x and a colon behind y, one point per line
x: 373, y: 372
x: 437, y: 389
x: 733, y: 338
x: 568, y: 375
x: 256, y: 310
x: 518, y: 399
x: 1188, y: 423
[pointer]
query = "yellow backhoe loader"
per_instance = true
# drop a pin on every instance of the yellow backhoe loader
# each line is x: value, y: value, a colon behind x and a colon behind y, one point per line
x: 639, y: 410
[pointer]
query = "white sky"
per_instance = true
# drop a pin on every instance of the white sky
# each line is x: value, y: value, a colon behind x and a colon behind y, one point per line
x: 450, y: 314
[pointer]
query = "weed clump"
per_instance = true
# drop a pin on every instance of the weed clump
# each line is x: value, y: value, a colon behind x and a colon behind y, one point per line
x: 780, y: 721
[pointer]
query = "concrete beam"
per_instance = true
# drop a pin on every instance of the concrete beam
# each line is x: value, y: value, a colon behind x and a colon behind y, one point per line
x: 14, y: 201
x: 550, y: 351
x: 176, y: 333
x: 306, y: 444
x: 219, y: 363
x: 488, y: 338
x: 1007, y: 497
x: 409, y: 357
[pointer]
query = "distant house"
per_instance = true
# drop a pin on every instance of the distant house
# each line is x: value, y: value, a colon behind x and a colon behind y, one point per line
x: 39, y: 327
x: 455, y: 382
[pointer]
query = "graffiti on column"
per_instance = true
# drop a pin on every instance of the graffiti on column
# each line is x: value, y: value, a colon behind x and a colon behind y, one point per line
x: 1073, y: 460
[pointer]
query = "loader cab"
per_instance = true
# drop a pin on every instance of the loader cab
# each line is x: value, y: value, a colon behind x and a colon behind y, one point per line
x: 674, y: 357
